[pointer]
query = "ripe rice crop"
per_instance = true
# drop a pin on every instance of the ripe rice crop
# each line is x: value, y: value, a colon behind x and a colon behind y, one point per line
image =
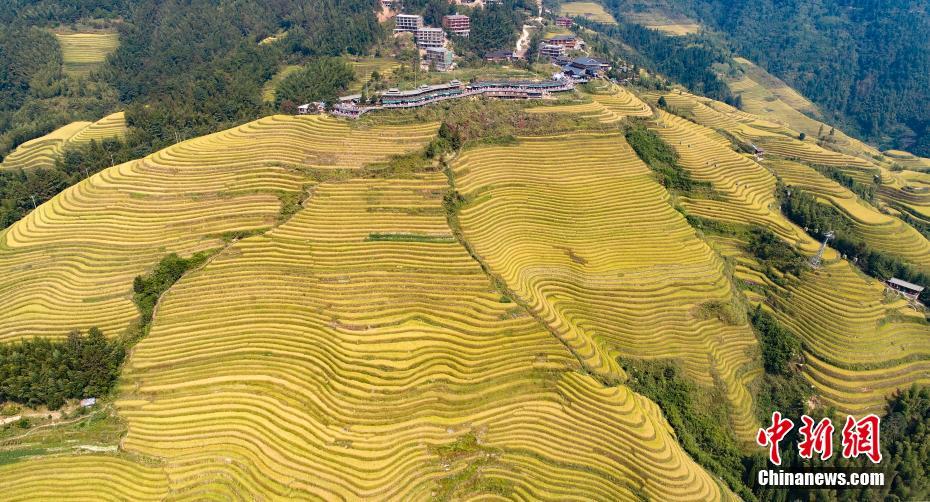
x: 42, y: 152
x: 81, y: 52
x: 70, y: 264
x: 590, y: 243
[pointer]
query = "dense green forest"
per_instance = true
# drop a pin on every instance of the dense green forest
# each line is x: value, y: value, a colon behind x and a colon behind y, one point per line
x: 688, y: 60
x: 36, y: 96
x: 495, y: 27
x: 45, y: 372
x: 866, y: 63
x: 320, y: 80
x: 193, y: 67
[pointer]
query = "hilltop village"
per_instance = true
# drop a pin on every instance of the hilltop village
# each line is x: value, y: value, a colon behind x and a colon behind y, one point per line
x: 579, y: 70
x: 564, y: 53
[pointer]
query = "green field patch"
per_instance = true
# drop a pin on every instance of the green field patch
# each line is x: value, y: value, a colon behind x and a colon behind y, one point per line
x: 100, y: 429
x: 410, y: 211
x: 408, y: 237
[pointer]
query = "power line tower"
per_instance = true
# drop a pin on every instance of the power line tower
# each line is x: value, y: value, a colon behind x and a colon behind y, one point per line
x: 817, y: 259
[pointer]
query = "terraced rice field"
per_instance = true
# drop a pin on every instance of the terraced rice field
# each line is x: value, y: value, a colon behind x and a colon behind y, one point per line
x: 342, y: 364
x: 880, y: 231
x: 608, y: 107
x: 42, y: 152
x: 364, y: 67
x: 678, y: 30
x: 861, y: 346
x: 270, y: 89
x: 85, y: 477
x: 767, y: 96
x: 746, y: 189
x: 70, y: 264
x: 622, y: 102
x: 592, y: 110
x: 902, y: 190
x: 810, y: 152
x: 720, y: 116
x: 776, y: 138
x: 908, y: 192
x: 82, y: 52
x: 909, y: 160
x: 591, y: 244
x: 590, y: 10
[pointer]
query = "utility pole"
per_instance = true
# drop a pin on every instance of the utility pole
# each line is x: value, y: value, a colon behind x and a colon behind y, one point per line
x: 33, y: 197
x: 816, y: 260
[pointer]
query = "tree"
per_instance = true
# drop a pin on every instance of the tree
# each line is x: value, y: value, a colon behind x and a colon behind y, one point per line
x: 288, y: 107
x: 662, y: 102
x: 320, y: 80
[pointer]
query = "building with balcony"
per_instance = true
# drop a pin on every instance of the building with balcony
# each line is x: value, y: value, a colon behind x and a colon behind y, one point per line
x: 431, y: 37
x: 568, y: 41
x: 439, y: 58
x: 457, y: 24
x: 407, y: 22
x: 551, y: 51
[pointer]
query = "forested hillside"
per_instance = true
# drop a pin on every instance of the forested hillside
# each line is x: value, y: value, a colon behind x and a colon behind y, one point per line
x: 183, y: 68
x: 866, y: 63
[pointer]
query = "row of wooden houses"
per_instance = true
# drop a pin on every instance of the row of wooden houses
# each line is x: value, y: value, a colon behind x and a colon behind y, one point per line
x: 352, y: 106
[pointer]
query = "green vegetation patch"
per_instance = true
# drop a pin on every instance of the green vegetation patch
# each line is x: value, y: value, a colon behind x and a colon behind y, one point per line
x: 468, y: 479
x: 696, y: 415
x: 772, y: 251
x: 82, y: 430
x: 147, y: 289
x: 782, y: 386
x: 806, y: 211
x: 405, y: 237
x: 322, y: 79
x: 588, y: 10
x: 728, y: 313
x: 662, y: 158
x: 40, y: 371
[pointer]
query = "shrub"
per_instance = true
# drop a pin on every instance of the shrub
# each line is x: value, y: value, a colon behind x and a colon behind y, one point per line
x: 662, y: 159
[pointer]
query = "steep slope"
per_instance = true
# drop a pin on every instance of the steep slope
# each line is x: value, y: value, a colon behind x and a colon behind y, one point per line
x: 82, y: 52
x: 577, y: 227
x: 746, y: 189
x: 375, y: 340
x: 42, y: 152
x: 362, y: 353
x: 860, y: 346
x: 70, y: 264
x: 356, y: 350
